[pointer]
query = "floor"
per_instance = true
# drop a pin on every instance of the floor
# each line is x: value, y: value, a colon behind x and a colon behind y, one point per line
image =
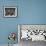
x: 30, y: 43
x: 7, y: 45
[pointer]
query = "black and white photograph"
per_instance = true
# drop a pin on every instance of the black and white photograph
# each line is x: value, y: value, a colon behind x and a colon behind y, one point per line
x: 31, y: 34
x: 10, y: 11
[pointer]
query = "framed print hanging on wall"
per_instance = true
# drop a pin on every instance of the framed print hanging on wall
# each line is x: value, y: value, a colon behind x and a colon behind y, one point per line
x: 10, y: 11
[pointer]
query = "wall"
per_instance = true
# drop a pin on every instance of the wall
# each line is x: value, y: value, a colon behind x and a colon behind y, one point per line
x: 7, y: 25
x: 29, y: 12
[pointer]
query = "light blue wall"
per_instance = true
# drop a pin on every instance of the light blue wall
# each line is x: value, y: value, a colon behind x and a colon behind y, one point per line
x: 29, y: 12
x: 7, y: 25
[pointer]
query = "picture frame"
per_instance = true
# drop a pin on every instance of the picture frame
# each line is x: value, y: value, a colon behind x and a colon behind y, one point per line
x: 36, y: 32
x: 10, y: 11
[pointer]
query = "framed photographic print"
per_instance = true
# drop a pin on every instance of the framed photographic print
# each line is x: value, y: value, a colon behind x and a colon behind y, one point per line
x: 10, y: 11
x: 33, y: 32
